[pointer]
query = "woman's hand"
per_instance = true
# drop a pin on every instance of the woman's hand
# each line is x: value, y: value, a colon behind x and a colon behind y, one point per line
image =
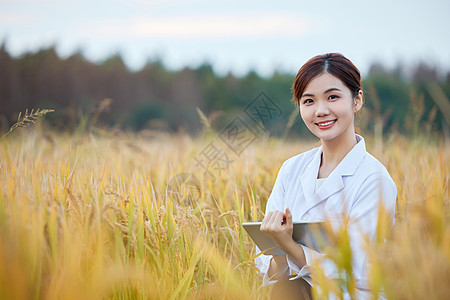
x: 277, y: 225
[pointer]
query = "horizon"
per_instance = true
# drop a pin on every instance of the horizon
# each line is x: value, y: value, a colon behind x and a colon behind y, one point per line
x: 404, y: 68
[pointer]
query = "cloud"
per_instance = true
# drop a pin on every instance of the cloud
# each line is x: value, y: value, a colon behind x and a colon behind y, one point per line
x: 12, y: 19
x: 203, y: 26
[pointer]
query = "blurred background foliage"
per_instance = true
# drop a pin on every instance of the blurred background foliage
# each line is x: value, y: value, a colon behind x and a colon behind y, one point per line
x: 107, y: 94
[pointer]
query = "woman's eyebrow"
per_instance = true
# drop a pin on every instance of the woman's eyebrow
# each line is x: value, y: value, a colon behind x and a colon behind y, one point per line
x: 332, y: 89
x: 307, y: 95
x: 327, y: 91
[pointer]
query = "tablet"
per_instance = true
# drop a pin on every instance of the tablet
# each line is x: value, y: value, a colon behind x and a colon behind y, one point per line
x: 312, y: 235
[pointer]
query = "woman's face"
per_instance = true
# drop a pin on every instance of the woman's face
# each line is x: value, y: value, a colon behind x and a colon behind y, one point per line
x: 327, y: 107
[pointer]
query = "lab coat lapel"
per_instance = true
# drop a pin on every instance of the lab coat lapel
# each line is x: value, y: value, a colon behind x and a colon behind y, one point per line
x: 334, y: 182
x: 332, y: 185
x: 308, y: 178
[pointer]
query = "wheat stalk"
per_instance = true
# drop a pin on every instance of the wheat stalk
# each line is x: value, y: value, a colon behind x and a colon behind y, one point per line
x: 27, y: 119
x: 204, y: 119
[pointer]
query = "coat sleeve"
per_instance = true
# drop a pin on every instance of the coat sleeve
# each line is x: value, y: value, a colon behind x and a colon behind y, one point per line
x: 378, y: 192
x: 362, y: 224
x: 275, y: 202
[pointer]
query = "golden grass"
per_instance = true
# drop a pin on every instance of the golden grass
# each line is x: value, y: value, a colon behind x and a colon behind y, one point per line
x: 94, y: 217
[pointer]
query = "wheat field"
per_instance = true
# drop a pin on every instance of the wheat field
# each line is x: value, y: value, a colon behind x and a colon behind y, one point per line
x: 101, y: 216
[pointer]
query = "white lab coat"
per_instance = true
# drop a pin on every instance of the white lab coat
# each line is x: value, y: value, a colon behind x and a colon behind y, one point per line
x: 354, y: 189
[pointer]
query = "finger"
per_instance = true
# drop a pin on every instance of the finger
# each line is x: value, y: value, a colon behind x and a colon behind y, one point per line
x: 265, y: 221
x: 288, y: 217
x: 272, y: 217
x: 277, y: 219
x: 267, y: 217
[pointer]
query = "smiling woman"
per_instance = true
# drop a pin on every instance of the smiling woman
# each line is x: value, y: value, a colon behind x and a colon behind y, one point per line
x: 339, y: 179
x: 327, y: 107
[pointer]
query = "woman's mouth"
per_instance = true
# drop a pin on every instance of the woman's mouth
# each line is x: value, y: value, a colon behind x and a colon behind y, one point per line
x: 326, y: 124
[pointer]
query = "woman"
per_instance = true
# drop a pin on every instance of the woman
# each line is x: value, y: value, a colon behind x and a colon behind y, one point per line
x: 337, y: 179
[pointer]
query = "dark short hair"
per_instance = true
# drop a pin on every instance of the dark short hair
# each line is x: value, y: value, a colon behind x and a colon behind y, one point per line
x: 335, y: 64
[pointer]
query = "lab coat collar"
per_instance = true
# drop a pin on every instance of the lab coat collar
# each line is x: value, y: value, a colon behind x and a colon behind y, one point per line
x: 334, y: 182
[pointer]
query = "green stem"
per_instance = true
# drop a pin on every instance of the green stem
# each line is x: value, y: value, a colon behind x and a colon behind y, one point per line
x: 6, y: 134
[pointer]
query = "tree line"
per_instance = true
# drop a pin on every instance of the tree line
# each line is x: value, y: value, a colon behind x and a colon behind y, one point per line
x: 157, y: 98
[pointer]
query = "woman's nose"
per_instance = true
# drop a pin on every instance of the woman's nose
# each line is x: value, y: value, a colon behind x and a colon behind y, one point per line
x: 321, y: 109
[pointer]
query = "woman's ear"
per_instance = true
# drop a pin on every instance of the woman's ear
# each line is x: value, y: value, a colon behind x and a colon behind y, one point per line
x: 359, y: 101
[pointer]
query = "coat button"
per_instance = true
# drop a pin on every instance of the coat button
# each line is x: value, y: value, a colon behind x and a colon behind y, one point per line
x: 305, y: 216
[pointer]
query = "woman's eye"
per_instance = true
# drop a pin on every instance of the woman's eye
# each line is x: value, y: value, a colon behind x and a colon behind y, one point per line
x: 308, y: 101
x: 333, y: 97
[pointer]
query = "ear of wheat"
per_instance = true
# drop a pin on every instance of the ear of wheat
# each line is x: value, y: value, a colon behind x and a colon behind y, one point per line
x: 204, y: 119
x: 27, y: 119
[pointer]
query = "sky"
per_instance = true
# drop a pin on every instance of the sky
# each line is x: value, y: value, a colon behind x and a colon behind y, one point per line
x: 234, y: 36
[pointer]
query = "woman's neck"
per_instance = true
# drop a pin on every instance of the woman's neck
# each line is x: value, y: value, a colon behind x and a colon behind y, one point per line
x: 334, y: 152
